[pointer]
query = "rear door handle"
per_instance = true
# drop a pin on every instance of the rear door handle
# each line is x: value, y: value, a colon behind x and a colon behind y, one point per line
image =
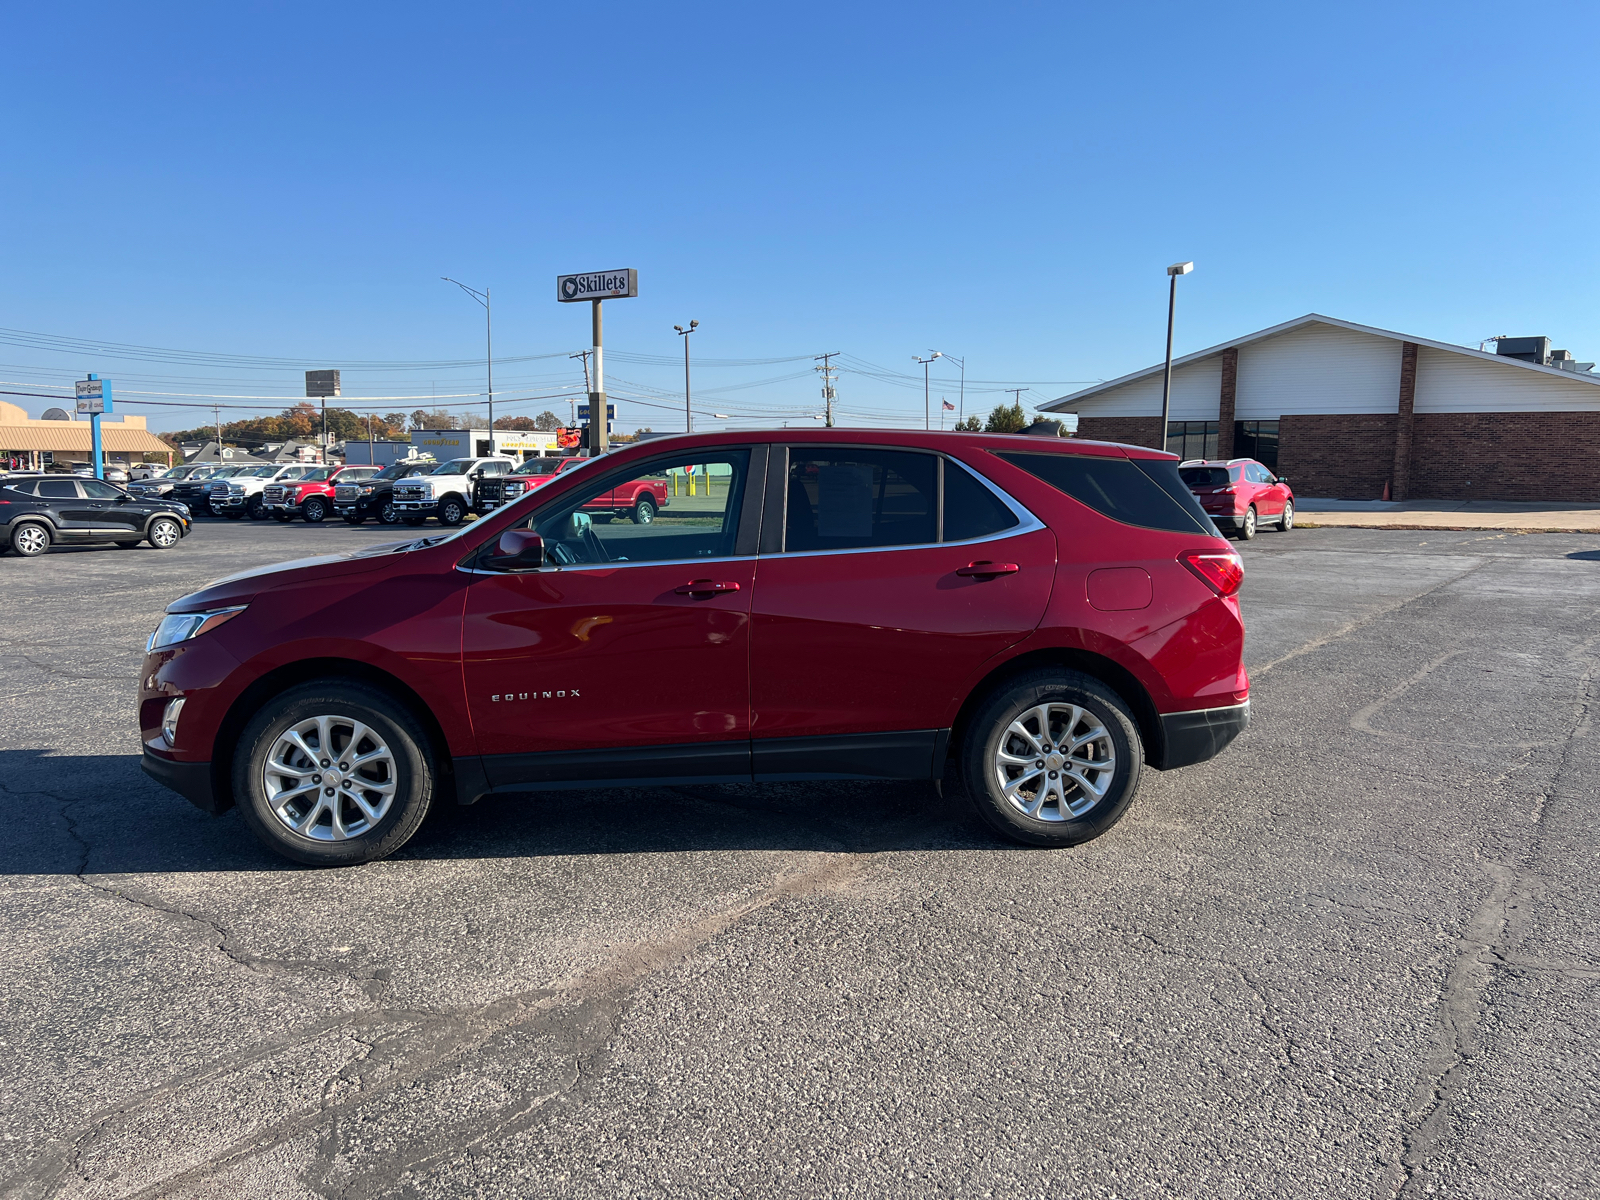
x: 987, y: 570
x: 705, y: 587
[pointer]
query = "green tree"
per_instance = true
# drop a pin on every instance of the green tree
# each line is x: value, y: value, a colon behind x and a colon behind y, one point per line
x: 973, y: 424
x: 1007, y: 418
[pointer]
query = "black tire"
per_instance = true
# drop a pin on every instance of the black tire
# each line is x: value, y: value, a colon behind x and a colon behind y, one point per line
x: 164, y: 533
x: 644, y: 511
x: 414, y: 520
x: 1102, y: 710
x: 315, y: 510
x: 1286, y: 520
x: 390, y: 515
x: 451, y: 511
x: 255, y: 508
x: 127, y: 545
x: 30, y: 538
x: 1248, y: 524
x: 414, y: 772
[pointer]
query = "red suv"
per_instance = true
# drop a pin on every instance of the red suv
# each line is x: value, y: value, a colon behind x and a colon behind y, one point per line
x: 311, y: 497
x: 1240, y: 495
x: 1049, y: 617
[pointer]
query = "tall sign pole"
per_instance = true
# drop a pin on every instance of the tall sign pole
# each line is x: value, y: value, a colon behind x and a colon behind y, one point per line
x: 94, y: 400
x: 1173, y: 272
x: 318, y: 384
x: 594, y: 287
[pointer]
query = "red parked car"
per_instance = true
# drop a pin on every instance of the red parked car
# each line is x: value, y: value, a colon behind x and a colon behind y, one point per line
x: 311, y: 497
x: 1240, y: 495
x: 1047, y: 616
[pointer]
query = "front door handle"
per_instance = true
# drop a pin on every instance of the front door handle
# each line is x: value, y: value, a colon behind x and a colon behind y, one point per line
x: 705, y: 587
x: 986, y: 570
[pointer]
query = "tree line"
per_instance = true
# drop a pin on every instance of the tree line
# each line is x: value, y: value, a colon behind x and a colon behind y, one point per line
x: 303, y: 422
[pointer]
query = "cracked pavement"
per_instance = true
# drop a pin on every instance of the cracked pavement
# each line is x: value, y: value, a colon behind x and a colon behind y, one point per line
x: 1358, y: 955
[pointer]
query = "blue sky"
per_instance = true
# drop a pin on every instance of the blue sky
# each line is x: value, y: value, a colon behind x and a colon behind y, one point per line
x: 1006, y: 182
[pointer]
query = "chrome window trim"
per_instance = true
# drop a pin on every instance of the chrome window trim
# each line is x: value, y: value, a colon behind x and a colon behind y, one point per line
x: 613, y: 566
x: 1026, y: 521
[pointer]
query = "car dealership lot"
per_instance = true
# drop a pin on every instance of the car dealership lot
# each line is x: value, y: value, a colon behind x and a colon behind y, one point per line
x: 1357, y: 953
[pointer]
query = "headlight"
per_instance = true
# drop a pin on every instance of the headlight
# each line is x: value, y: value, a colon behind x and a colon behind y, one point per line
x: 180, y: 627
x: 367, y: 490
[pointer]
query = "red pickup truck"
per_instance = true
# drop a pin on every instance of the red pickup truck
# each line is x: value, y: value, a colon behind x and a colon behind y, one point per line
x: 311, y: 497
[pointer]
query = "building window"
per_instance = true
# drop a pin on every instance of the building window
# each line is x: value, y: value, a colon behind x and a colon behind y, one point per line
x: 1192, y: 439
x: 1257, y: 440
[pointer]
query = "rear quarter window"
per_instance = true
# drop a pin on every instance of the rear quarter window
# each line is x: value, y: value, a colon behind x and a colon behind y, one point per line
x: 1142, y: 492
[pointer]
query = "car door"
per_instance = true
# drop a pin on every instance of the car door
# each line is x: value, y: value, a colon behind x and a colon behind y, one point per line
x: 109, y: 507
x: 1267, y: 498
x: 627, y: 655
x: 69, y: 506
x: 873, y: 607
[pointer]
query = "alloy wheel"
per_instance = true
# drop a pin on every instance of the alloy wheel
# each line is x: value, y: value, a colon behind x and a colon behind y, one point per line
x: 1055, y: 762
x: 329, y: 778
x: 164, y: 534
x: 30, y: 540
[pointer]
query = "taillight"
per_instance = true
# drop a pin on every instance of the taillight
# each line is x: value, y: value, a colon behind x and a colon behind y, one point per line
x: 1220, y: 570
x: 1227, y: 491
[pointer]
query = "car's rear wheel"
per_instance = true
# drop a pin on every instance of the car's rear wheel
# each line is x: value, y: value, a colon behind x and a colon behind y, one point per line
x: 164, y: 533
x: 644, y: 511
x: 315, y: 510
x: 1247, y: 524
x: 1052, y: 758
x: 30, y: 539
x: 333, y: 773
x: 451, y: 511
x: 1286, y: 522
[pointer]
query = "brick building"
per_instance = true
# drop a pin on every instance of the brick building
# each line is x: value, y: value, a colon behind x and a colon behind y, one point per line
x: 1345, y: 409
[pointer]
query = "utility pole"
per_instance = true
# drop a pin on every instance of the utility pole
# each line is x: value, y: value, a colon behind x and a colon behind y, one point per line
x: 828, y: 372
x: 216, y: 416
x: 583, y: 354
x: 688, y: 417
x: 927, y: 415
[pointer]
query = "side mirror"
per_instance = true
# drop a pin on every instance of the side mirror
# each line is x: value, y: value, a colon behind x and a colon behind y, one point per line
x: 517, y: 550
x: 1283, y: 479
x: 578, y: 525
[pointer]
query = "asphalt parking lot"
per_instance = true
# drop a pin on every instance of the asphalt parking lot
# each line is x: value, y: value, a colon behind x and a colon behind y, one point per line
x: 1358, y: 955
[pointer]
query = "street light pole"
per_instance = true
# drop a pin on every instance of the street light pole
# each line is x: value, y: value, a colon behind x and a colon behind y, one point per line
x: 488, y: 342
x: 927, y: 415
x: 688, y: 417
x: 1173, y: 272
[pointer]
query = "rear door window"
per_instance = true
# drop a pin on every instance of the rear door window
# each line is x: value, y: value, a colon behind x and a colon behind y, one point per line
x: 1142, y: 492
x: 855, y: 499
x: 970, y: 509
x: 57, y: 489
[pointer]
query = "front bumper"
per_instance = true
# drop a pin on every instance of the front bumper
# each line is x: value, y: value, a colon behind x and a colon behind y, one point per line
x: 190, y: 780
x: 1194, y: 737
x: 414, y: 507
x: 221, y: 502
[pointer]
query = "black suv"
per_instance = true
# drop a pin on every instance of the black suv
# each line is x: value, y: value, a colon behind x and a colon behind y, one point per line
x: 355, y: 502
x: 36, y: 510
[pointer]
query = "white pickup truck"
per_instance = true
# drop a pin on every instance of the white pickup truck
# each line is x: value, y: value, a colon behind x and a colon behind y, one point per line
x: 242, y: 495
x: 446, y: 491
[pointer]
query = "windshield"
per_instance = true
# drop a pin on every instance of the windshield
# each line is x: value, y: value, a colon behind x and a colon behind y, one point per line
x: 540, y: 466
x: 261, y: 472
x: 456, y: 466
x: 398, y: 469
x: 1204, y: 476
x: 319, y: 475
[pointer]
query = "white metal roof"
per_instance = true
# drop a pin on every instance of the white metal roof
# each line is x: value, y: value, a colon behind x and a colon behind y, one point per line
x: 1310, y: 319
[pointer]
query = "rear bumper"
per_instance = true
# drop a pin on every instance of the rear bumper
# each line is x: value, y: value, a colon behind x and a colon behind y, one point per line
x: 190, y: 780
x: 1193, y: 737
x: 1225, y: 521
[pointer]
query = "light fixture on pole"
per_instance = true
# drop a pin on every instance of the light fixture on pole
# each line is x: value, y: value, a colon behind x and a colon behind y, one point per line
x: 688, y: 418
x: 488, y: 342
x: 1173, y: 272
x: 927, y: 414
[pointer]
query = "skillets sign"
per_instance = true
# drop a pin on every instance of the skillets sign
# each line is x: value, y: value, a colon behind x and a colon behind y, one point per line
x: 597, y: 285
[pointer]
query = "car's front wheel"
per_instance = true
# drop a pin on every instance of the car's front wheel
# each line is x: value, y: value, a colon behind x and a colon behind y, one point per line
x: 1052, y: 758
x: 30, y: 539
x: 164, y: 533
x: 389, y: 514
x: 1286, y: 522
x: 255, y: 508
x: 451, y: 511
x: 333, y: 773
x: 315, y: 510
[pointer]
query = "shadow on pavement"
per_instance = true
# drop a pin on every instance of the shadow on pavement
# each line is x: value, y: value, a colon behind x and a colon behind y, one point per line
x: 100, y: 814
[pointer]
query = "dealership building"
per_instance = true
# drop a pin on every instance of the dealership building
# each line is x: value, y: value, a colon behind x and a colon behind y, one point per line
x: 56, y: 439
x: 1348, y: 411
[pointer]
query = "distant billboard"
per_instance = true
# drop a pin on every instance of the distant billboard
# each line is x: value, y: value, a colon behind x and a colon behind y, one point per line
x: 322, y: 383
x: 597, y: 285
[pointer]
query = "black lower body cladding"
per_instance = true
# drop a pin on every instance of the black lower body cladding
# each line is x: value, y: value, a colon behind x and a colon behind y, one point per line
x: 1193, y: 737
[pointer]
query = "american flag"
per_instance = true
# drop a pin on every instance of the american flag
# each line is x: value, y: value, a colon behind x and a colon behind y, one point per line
x: 948, y: 407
